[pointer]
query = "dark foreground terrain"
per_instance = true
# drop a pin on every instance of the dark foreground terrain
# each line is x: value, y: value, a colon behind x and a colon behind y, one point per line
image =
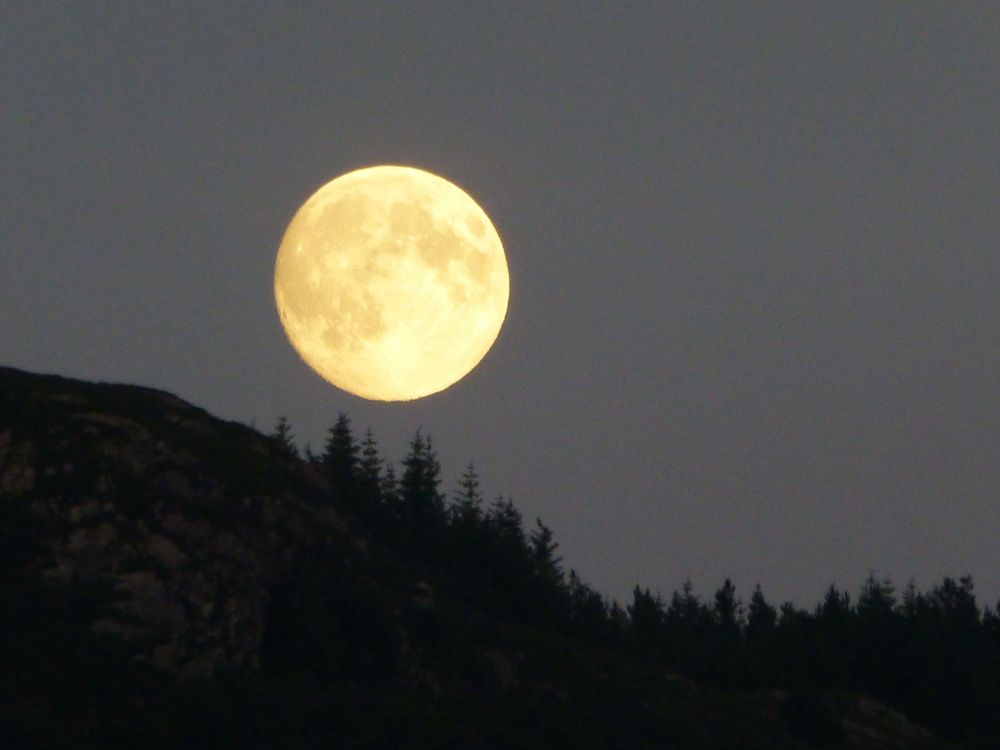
x: 169, y: 580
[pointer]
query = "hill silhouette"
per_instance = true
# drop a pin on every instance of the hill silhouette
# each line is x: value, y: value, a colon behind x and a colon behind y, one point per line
x: 170, y: 579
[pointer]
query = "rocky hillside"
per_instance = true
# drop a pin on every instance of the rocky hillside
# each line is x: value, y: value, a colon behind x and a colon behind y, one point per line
x: 189, y: 520
x: 174, y: 580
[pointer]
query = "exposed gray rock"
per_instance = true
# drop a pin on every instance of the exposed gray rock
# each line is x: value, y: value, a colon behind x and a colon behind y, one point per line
x: 148, y: 600
x: 189, y: 563
x: 171, y: 483
x: 90, y: 541
x: 166, y: 552
x: 85, y: 509
x: 18, y: 472
x: 873, y: 724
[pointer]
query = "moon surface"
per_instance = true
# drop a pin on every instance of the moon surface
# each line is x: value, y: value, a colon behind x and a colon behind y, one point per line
x: 391, y: 283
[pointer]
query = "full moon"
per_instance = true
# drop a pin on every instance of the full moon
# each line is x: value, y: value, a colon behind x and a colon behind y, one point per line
x: 391, y: 283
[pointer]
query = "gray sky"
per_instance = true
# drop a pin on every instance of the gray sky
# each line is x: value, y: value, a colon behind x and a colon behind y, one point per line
x: 755, y: 278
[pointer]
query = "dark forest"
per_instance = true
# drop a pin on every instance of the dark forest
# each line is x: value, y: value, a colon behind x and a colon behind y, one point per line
x: 433, y: 617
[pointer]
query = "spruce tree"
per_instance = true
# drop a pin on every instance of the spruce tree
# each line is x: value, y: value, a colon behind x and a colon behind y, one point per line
x: 419, y: 496
x: 728, y: 610
x: 762, y: 618
x: 913, y: 601
x: 955, y: 604
x: 543, y: 553
x: 617, y: 622
x: 589, y: 614
x: 688, y: 623
x: 877, y: 598
x: 792, y: 618
x: 835, y: 611
x: 506, y: 526
x: 369, y: 474
x: 836, y: 639
x: 511, y: 570
x: 340, y: 458
x: 389, y: 488
x: 553, y: 595
x: 283, y: 440
x: 646, y: 621
x: 466, y: 512
x: 686, y: 612
x: 721, y: 662
x: 761, y: 639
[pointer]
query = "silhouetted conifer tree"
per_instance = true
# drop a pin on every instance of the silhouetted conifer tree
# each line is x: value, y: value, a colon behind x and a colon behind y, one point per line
x: 369, y: 473
x: 688, y: 624
x: 283, y: 439
x: 728, y: 610
x: 991, y: 623
x: 470, y: 557
x: 390, y: 487
x: 618, y: 621
x: 466, y: 511
x: 646, y: 621
x: 761, y: 616
x: 511, y: 570
x: 551, y: 585
x: 506, y: 526
x: 877, y: 598
x: 340, y: 458
x: 881, y: 632
x: 791, y: 617
x: 910, y: 596
x: 421, y: 478
x: 686, y: 612
x: 835, y: 610
x: 835, y: 640
x: 955, y: 604
x: 722, y: 659
x: 760, y: 633
x: 589, y: 614
x: 543, y: 553
x: 947, y: 637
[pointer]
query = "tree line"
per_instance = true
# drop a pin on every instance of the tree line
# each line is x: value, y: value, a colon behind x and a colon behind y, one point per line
x: 935, y: 655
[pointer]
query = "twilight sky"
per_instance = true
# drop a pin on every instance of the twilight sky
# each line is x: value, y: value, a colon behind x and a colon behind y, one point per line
x: 755, y: 274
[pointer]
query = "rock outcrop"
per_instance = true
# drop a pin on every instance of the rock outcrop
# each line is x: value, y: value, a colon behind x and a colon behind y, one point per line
x: 189, y: 521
